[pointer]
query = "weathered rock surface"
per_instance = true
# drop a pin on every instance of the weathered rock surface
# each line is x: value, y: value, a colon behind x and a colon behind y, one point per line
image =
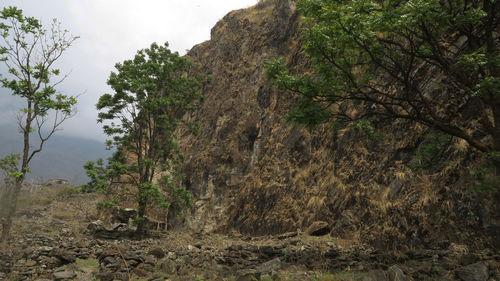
x: 252, y: 173
x: 318, y: 228
x: 117, y: 231
x: 248, y: 170
x: 473, y: 272
x: 64, y: 275
x: 394, y: 273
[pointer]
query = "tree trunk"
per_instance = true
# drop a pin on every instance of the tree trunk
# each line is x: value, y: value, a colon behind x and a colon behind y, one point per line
x: 11, y: 211
x: 141, y: 213
x: 166, y: 219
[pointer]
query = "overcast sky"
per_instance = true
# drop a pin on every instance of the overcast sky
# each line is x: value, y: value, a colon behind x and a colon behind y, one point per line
x: 112, y: 31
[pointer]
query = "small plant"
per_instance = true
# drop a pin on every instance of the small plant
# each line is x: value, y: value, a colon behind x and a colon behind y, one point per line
x: 325, y: 277
x: 86, y: 263
x: 431, y: 151
x: 67, y: 191
x: 106, y: 204
x: 486, y: 181
x: 367, y: 129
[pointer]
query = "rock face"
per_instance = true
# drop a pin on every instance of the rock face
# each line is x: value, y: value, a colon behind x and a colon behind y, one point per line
x: 473, y: 272
x: 248, y: 170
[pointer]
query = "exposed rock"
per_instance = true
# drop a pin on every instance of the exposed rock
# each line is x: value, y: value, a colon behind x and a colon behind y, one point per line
x: 394, y: 273
x: 105, y: 276
x: 86, y: 277
x: 122, y: 276
x: 332, y: 253
x: 123, y: 215
x: 140, y: 272
x: 287, y: 235
x: 168, y: 266
x: 395, y: 187
x: 318, y: 228
x: 64, y: 275
x: 269, y: 266
x: 157, y: 253
x: 257, y: 271
x: 117, y: 231
x: 65, y: 256
x: 473, y: 272
x: 250, y: 170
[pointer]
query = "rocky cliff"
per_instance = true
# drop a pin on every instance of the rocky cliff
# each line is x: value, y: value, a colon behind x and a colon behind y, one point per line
x: 250, y: 171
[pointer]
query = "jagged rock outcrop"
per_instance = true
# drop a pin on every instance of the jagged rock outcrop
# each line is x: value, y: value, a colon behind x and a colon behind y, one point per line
x: 250, y: 171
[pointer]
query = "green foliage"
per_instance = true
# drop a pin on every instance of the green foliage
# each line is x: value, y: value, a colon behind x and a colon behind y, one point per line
x: 375, y: 57
x: 151, y: 94
x: 366, y: 127
x: 431, y: 152
x: 99, y: 175
x: 486, y: 181
x: 179, y: 198
x: 106, y: 204
x: 9, y: 165
x: 30, y: 52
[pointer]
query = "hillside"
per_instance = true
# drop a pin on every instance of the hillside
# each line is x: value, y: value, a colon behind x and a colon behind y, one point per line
x: 62, y: 157
x: 252, y: 172
x: 273, y: 200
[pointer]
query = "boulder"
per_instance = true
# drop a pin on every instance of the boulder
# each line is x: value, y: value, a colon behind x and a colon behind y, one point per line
x: 394, y: 273
x: 117, y: 231
x: 64, y: 275
x: 168, y: 266
x: 263, y: 268
x: 105, y: 276
x: 65, y: 256
x: 318, y: 228
x: 157, y: 253
x: 269, y: 266
x: 473, y: 272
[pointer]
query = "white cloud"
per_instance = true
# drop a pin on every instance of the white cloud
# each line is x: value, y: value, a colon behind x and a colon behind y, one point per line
x: 113, y: 30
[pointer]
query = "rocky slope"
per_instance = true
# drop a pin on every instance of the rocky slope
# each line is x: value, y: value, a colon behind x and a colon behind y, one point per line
x: 54, y: 241
x: 250, y: 171
x: 265, y: 189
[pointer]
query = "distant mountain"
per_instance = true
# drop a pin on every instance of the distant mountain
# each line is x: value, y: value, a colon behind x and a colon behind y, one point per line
x: 62, y: 156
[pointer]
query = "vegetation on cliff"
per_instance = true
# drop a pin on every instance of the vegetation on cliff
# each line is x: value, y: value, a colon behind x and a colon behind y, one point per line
x: 431, y: 62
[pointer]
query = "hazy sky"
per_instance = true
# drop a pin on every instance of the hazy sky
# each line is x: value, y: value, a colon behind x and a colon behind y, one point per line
x: 112, y: 31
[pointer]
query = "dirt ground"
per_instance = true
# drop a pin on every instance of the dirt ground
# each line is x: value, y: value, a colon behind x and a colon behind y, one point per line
x: 51, y: 241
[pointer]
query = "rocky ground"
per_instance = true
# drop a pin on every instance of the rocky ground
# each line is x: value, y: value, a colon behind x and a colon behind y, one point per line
x: 53, y: 241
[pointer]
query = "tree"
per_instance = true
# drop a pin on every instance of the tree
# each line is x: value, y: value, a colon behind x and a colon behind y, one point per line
x: 433, y: 62
x: 151, y: 94
x: 29, y: 53
x: 99, y: 175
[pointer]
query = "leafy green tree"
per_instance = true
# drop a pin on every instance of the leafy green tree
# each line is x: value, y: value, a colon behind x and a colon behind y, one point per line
x: 29, y: 53
x: 151, y: 94
x: 433, y: 62
x: 99, y: 175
